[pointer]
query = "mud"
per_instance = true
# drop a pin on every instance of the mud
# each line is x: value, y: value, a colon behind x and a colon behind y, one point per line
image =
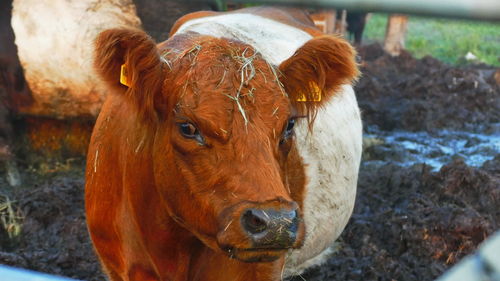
x: 425, y: 94
x: 54, y: 236
x: 411, y: 221
x: 412, y: 224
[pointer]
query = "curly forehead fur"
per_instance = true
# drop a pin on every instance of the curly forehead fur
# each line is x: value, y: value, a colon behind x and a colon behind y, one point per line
x: 222, y: 79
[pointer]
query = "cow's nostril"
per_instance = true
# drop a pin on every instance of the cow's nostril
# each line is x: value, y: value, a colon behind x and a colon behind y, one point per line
x: 255, y: 221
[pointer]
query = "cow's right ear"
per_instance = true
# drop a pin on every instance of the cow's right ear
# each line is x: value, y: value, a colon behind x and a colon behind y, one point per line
x: 129, y: 63
x: 317, y: 71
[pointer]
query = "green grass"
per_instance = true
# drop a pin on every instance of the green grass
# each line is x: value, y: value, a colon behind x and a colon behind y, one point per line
x: 444, y: 39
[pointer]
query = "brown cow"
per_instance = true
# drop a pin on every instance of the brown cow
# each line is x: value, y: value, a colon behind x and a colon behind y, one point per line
x: 195, y: 170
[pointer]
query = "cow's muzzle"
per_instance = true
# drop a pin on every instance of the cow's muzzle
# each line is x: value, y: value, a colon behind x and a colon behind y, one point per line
x: 271, y: 228
x: 261, y: 231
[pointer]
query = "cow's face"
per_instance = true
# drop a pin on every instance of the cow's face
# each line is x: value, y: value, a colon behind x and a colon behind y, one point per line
x: 223, y: 126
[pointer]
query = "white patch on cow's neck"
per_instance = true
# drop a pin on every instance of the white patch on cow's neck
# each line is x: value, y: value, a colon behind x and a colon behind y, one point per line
x: 274, y: 40
x: 331, y: 155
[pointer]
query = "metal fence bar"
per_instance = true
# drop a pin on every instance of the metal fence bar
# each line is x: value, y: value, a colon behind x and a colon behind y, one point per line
x: 467, y: 9
x: 15, y: 274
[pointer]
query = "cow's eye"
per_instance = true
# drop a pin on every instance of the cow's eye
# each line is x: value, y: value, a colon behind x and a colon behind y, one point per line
x: 288, y: 130
x: 190, y: 131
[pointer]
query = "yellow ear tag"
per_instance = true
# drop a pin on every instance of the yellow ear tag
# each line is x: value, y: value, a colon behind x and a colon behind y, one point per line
x: 316, y: 93
x: 123, y: 76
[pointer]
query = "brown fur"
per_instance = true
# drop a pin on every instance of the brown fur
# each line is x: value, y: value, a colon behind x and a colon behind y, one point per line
x: 163, y: 207
x: 328, y: 61
x: 138, y: 52
x: 294, y: 17
x: 188, y: 17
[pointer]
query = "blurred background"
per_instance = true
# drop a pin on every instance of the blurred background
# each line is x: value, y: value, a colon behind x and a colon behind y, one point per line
x: 429, y: 184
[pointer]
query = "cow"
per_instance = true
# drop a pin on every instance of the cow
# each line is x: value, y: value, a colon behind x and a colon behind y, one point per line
x: 229, y: 151
x: 356, y: 22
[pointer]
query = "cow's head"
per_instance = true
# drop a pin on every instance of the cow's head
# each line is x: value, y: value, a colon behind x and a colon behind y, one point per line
x: 223, y: 122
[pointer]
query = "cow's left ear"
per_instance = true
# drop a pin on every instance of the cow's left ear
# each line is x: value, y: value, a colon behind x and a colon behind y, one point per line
x: 317, y: 71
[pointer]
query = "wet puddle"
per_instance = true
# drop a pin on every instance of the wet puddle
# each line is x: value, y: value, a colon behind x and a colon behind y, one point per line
x: 436, y: 149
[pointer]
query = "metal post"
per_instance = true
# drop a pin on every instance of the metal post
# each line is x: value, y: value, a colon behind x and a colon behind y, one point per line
x: 469, y: 9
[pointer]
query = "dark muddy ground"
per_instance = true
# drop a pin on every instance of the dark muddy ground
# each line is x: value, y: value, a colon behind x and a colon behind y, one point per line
x: 409, y: 222
x: 427, y: 95
x: 54, y: 236
x: 412, y: 224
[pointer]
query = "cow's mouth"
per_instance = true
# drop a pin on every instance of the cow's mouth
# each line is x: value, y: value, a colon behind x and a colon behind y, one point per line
x: 255, y: 254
